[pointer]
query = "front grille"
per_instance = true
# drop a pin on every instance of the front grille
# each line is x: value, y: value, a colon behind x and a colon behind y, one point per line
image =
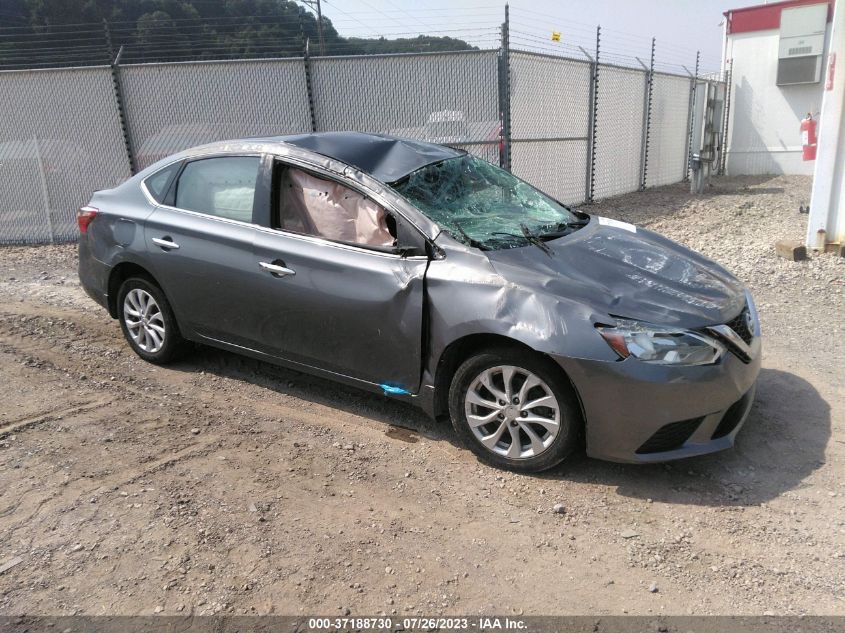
x: 732, y: 417
x: 740, y: 326
x: 670, y: 437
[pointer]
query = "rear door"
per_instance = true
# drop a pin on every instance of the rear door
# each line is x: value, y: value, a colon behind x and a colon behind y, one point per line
x: 200, y: 241
x: 352, y: 307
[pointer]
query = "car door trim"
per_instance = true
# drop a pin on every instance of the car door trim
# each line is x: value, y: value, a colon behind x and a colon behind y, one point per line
x: 296, y: 365
x: 298, y: 236
x: 336, y: 177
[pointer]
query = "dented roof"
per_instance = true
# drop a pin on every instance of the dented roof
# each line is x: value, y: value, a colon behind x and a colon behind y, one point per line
x: 385, y: 158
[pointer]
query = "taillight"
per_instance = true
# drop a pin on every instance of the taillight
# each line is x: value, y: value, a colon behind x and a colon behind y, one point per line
x: 84, y: 217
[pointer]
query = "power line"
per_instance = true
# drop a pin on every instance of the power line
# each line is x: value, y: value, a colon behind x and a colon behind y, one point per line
x: 243, y: 35
x: 316, y: 7
x: 356, y: 19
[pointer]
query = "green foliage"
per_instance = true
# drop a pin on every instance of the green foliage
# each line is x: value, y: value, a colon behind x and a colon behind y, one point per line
x: 421, y: 43
x: 72, y: 32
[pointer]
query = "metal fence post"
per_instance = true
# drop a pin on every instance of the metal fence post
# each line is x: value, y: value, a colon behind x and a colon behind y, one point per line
x: 590, y: 175
x: 505, y: 93
x: 647, y: 127
x: 45, y: 192
x: 309, y: 88
x: 114, y: 65
x: 723, y: 155
x: 691, y: 117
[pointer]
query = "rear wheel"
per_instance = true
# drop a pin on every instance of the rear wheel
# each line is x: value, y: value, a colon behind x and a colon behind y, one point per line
x: 515, y: 409
x: 147, y: 321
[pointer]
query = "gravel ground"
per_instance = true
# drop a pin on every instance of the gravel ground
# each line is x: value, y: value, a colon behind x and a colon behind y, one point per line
x: 737, y: 224
x: 225, y: 485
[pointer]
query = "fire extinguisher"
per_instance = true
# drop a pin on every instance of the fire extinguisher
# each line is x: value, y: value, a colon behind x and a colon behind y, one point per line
x: 808, y: 137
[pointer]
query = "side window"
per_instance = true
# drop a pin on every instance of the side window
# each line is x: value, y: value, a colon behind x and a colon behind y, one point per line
x: 315, y: 206
x: 224, y: 187
x: 157, y: 184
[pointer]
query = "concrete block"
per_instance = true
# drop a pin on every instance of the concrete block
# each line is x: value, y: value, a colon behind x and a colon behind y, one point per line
x: 793, y: 250
x: 835, y: 248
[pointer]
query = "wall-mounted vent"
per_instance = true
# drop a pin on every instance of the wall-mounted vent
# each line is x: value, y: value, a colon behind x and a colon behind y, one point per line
x: 802, y: 31
x: 800, y: 50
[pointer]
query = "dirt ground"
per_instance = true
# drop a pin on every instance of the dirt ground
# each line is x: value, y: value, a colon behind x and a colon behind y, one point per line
x: 222, y: 484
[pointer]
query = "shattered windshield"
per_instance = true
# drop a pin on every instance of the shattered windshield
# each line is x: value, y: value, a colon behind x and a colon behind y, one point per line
x: 484, y: 206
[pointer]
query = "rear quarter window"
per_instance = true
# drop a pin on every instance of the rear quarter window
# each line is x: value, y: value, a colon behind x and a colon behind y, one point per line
x: 159, y: 182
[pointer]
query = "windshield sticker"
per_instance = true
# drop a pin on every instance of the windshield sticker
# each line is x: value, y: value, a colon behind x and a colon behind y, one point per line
x: 617, y: 224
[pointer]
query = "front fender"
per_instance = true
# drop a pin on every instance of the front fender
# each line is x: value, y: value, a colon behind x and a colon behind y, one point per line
x: 466, y: 296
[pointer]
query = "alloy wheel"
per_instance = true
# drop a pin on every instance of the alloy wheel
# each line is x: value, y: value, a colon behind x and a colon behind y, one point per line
x: 512, y: 412
x: 144, y: 320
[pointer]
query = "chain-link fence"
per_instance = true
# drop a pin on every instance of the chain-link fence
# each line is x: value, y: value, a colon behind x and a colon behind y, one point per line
x: 550, y: 121
x: 670, y: 111
x: 447, y: 98
x: 620, y: 116
x: 60, y: 139
x: 576, y: 129
x: 170, y: 107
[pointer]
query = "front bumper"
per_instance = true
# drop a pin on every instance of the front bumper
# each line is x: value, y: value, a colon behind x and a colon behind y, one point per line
x: 640, y: 413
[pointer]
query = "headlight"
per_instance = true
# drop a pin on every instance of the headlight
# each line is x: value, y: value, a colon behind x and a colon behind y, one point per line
x: 661, y: 345
x: 754, y: 324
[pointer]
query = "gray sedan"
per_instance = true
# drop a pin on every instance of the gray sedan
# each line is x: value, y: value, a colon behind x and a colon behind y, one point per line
x: 429, y: 275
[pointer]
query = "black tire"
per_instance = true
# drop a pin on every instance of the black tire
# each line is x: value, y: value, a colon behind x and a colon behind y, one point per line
x: 173, y: 344
x: 571, y: 421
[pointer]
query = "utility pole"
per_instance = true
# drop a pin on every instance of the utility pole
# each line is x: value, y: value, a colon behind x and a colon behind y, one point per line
x: 314, y: 5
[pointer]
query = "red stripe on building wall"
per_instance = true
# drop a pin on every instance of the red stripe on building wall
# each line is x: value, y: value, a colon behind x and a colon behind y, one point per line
x: 765, y: 16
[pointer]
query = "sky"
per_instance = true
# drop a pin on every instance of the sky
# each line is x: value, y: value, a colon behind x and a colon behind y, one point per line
x: 681, y: 27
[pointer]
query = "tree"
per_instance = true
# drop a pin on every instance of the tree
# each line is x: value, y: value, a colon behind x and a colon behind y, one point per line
x: 419, y: 44
x: 65, y: 32
x: 158, y: 39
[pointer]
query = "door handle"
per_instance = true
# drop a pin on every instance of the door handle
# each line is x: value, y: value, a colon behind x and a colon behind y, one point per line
x: 276, y: 270
x: 165, y: 243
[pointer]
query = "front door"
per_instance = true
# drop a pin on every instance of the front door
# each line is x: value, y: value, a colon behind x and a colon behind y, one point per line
x: 351, y: 306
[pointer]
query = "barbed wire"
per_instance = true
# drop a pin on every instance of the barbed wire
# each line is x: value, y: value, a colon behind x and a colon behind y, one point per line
x: 249, y: 36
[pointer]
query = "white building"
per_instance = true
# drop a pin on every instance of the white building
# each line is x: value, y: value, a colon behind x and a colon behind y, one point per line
x: 777, y: 54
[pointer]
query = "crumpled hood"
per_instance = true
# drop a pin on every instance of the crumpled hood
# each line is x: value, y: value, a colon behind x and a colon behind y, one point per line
x: 621, y: 270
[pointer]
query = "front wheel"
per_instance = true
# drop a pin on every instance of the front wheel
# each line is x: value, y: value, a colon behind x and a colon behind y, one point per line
x: 515, y: 409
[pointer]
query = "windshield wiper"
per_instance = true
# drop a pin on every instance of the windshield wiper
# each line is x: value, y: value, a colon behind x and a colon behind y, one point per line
x: 565, y: 228
x: 535, y: 240
x: 471, y: 240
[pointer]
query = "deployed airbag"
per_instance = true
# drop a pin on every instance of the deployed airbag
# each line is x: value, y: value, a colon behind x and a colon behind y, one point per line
x: 316, y: 206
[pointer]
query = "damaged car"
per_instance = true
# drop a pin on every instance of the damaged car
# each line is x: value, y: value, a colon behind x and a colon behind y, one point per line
x: 427, y: 274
